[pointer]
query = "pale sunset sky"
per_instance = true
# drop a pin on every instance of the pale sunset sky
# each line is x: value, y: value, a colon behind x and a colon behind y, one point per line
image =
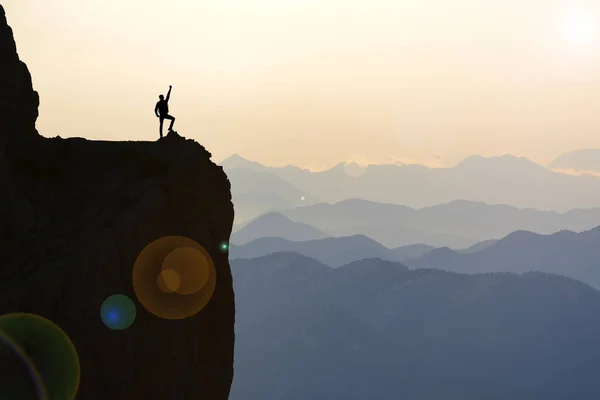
x: 315, y: 82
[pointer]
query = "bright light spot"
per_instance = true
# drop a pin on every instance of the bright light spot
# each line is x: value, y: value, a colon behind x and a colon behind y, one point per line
x: 302, y: 198
x: 113, y: 316
x: 579, y: 29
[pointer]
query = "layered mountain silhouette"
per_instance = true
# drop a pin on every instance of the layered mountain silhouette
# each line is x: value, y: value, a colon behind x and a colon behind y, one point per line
x: 579, y: 160
x: 333, y: 252
x: 276, y: 225
x: 506, y: 179
x: 478, y: 246
x: 337, y: 251
x: 375, y: 330
x: 400, y: 235
x: 575, y: 255
x: 466, y: 219
x: 257, y: 191
x: 458, y: 224
x: 75, y: 214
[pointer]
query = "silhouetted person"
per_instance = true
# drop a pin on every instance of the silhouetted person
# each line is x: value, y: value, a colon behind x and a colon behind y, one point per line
x: 162, y: 111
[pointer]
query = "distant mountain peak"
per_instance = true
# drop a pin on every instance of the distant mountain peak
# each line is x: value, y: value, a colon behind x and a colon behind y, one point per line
x: 235, y: 157
x: 374, y: 264
x: 506, y: 163
x: 273, y: 216
x: 356, y: 201
x: 274, y: 224
x: 478, y: 159
x: 521, y: 234
x: 442, y: 252
x: 237, y: 161
x: 578, y: 160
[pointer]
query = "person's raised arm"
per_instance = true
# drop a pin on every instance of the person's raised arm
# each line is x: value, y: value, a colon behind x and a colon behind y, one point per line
x: 169, y: 92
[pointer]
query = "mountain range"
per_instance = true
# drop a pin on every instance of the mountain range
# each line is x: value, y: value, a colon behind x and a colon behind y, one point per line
x: 374, y: 329
x: 507, y: 179
x: 255, y: 192
x: 274, y: 224
x: 333, y: 252
x: 579, y: 160
x: 575, y: 255
x: 458, y: 224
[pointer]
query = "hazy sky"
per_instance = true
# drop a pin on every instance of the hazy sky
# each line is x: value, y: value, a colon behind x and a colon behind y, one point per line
x: 314, y: 82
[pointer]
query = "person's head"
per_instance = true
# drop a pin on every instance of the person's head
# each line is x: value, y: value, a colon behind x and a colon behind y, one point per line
x: 161, y: 97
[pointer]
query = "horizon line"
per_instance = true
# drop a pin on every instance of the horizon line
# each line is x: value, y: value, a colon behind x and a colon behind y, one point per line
x: 410, y: 162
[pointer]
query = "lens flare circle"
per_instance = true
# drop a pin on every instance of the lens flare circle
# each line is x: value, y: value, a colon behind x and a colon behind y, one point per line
x: 224, y: 247
x: 174, y: 277
x: 19, y: 378
x: 45, y: 351
x: 168, y: 280
x: 118, y: 312
x: 188, y: 270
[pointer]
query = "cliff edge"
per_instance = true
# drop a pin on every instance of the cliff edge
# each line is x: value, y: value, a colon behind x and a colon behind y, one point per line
x: 74, y: 216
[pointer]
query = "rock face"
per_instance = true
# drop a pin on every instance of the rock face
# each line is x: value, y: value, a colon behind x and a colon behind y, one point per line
x: 76, y: 214
x: 18, y: 112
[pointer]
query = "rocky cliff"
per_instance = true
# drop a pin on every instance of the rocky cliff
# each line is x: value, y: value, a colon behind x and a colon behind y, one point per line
x: 74, y: 216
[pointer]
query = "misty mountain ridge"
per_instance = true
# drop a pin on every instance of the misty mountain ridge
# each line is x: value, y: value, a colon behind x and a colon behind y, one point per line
x: 510, y: 180
x: 333, y: 252
x: 458, y: 224
x: 502, y: 161
x: 274, y: 224
x: 567, y: 253
x: 478, y: 246
x: 256, y: 191
x: 236, y: 161
x: 505, y: 164
x: 460, y: 217
x: 585, y: 160
x: 424, y: 334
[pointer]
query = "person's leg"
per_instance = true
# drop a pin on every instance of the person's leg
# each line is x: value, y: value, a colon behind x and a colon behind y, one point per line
x: 161, y: 126
x: 172, y: 119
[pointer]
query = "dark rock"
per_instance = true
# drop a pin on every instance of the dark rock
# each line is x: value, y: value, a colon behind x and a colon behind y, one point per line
x: 85, y: 210
x: 173, y: 135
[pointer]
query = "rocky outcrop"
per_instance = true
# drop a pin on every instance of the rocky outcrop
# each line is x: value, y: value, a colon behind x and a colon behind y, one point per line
x: 18, y: 112
x: 77, y: 213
